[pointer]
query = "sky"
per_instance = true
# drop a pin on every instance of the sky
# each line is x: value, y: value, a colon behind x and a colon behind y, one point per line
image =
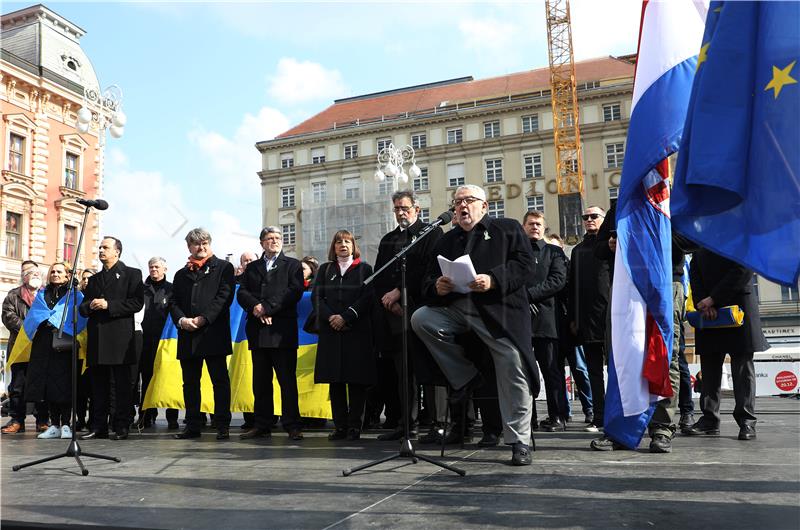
x: 202, y: 82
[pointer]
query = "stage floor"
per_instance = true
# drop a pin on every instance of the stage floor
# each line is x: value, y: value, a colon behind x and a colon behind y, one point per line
x: 706, y: 482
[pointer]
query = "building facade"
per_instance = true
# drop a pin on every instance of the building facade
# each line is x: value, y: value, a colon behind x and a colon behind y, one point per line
x: 47, y: 162
x: 497, y: 133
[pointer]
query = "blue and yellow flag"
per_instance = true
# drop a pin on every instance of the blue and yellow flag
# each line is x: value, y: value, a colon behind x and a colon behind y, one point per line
x: 737, y: 180
x: 240, y: 366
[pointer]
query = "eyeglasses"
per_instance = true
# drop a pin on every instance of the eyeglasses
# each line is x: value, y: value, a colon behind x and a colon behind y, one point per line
x: 405, y: 209
x: 591, y: 216
x: 465, y: 200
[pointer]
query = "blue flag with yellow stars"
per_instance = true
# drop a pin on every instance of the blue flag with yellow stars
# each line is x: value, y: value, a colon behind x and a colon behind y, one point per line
x: 737, y: 179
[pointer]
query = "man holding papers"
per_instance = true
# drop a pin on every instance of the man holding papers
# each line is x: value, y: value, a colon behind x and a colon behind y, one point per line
x: 495, y: 308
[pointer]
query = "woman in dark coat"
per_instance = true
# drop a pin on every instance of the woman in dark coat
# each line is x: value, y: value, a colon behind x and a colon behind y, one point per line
x: 310, y: 267
x: 342, y: 304
x: 50, y: 371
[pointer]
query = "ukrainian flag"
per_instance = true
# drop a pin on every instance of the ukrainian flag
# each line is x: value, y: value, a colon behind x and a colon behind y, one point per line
x: 314, y: 399
x: 240, y: 365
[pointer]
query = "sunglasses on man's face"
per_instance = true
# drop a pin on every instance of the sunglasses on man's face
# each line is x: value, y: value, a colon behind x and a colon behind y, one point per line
x: 591, y: 216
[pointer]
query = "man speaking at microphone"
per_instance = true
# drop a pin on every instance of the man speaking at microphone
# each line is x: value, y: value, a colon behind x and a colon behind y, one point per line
x: 495, y: 308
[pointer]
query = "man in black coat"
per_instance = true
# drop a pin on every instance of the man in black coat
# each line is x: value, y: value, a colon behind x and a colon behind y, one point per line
x: 269, y: 291
x: 718, y: 282
x: 589, y: 289
x: 389, y: 324
x: 547, y: 278
x: 494, y: 305
x: 202, y: 293
x: 110, y: 300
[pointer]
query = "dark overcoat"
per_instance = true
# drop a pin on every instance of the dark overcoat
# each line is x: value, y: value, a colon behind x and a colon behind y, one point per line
x: 14, y: 311
x: 156, y: 310
x: 110, y: 337
x: 727, y: 283
x: 206, y: 292
x: 589, y: 290
x: 549, y: 276
x: 345, y: 356
x: 500, y: 249
x: 49, y: 375
x: 278, y: 291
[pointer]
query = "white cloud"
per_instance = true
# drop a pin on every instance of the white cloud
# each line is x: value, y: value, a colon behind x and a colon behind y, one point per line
x: 487, y: 33
x: 600, y: 28
x: 301, y: 81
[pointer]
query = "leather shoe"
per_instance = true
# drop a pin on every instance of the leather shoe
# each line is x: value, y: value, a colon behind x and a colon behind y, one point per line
x: 337, y: 434
x: 454, y: 436
x: 173, y: 425
x: 747, y: 432
x: 255, y: 433
x: 121, y: 434
x: 186, y: 434
x: 397, y: 434
x: 13, y: 427
x: 223, y: 433
x: 433, y: 436
x: 660, y: 443
x: 465, y: 392
x: 520, y: 454
x: 489, y: 439
x: 94, y: 435
x: 700, y: 428
x: 295, y: 435
x: 353, y: 434
x: 551, y: 425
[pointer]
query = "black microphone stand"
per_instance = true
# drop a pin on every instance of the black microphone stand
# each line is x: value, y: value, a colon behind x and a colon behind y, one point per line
x: 73, y: 449
x: 406, y: 449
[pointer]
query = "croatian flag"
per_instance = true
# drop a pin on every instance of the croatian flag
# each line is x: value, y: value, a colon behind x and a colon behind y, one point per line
x: 641, y: 300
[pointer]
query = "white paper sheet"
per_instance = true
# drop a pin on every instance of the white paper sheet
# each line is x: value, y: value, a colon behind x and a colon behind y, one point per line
x: 461, y: 271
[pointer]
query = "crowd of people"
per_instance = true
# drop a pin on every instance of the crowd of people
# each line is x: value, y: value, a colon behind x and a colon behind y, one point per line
x: 474, y: 347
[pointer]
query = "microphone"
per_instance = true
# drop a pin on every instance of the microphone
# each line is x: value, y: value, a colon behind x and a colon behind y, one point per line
x: 98, y: 204
x: 444, y: 218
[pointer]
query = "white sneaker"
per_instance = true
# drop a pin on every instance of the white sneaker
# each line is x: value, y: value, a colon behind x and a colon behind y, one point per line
x: 591, y: 428
x: 51, y: 432
x: 66, y: 432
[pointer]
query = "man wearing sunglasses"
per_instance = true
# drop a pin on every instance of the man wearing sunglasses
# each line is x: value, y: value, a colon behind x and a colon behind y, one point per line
x: 495, y: 308
x: 589, y: 289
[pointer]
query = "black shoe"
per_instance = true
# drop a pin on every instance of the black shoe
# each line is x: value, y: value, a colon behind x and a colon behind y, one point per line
x: 353, y: 434
x: 551, y: 425
x: 121, y: 434
x: 337, y: 434
x: 700, y: 428
x: 489, y: 439
x: 454, y: 436
x: 462, y: 394
x: 747, y: 432
x: 255, y: 433
x: 246, y: 426
x: 433, y: 436
x: 80, y: 426
x: 295, y: 435
x: 173, y: 425
x: 95, y: 435
x: 661, y: 443
x: 186, y: 434
x: 520, y: 454
x: 687, y: 420
x: 394, y: 435
x: 223, y: 433
x: 606, y: 444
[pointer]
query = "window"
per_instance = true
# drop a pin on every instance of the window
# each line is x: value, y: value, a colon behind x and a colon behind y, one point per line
x: 491, y: 129
x: 530, y: 123
x: 611, y: 112
x: 613, y: 193
x: 789, y: 294
x: 16, y: 153
x: 535, y: 202
x: 615, y: 153
x: 320, y: 232
x: 351, y: 151
x: 351, y: 188
x: 421, y: 183
x: 455, y: 175
x: 289, y: 234
x: 455, y: 136
x: 532, y: 165
x: 287, y: 197
x: 386, y: 187
x: 318, y: 155
x: 13, y: 235
x: 567, y: 121
x: 383, y: 143
x: 571, y: 165
x: 494, y: 170
x: 419, y: 140
x: 71, y: 171
x: 287, y: 160
x: 70, y: 242
x: 497, y: 209
x: 425, y: 215
x: 352, y: 224
x: 319, y: 192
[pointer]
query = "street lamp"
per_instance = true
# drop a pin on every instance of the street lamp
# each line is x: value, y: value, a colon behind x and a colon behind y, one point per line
x: 104, y: 109
x: 391, y: 161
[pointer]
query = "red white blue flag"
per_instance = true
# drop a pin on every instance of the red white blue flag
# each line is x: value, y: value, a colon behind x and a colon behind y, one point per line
x: 641, y: 300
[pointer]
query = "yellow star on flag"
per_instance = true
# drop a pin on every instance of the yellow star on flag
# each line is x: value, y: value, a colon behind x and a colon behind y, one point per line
x: 781, y: 77
x: 701, y: 58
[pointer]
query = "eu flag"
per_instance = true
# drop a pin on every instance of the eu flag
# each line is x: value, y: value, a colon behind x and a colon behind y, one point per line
x: 737, y: 179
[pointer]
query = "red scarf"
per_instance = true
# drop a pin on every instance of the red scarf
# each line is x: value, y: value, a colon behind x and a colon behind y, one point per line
x: 195, y: 264
x: 27, y: 295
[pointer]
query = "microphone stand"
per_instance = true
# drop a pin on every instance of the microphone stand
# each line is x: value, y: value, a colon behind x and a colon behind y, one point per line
x: 406, y: 448
x: 73, y: 449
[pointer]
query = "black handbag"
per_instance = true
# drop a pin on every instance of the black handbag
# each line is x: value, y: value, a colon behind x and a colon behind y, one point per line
x: 61, y: 344
x: 311, y: 325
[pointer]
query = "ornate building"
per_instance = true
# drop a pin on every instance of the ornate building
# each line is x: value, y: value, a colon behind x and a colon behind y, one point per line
x: 47, y: 162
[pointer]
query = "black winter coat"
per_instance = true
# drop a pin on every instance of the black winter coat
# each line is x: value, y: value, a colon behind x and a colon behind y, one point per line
x: 278, y: 291
x: 207, y: 292
x: 727, y: 283
x: 110, y: 331
x: 344, y: 356
x: 14, y: 311
x: 548, y: 278
x: 156, y: 310
x: 589, y: 291
x: 49, y: 375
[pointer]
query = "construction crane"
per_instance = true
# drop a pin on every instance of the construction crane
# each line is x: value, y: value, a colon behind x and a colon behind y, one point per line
x: 564, y: 98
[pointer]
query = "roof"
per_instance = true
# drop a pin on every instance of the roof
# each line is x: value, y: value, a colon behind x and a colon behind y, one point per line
x: 433, y: 95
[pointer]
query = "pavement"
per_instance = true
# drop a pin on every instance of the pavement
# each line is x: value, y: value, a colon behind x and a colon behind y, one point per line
x: 706, y: 482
